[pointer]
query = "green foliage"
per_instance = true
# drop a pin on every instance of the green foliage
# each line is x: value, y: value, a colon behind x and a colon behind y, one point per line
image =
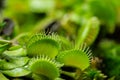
x: 4, y: 45
x: 43, y: 44
x: 75, y: 58
x: 44, y: 66
x: 3, y: 77
x: 49, y: 39
x: 88, y: 32
x: 17, y: 72
x: 13, y: 63
x: 92, y: 74
x: 108, y: 15
x: 42, y: 48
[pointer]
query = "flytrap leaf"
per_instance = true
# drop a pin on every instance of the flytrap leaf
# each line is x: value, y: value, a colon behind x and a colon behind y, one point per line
x: 15, y: 51
x: 2, y: 77
x: 45, y: 67
x: 43, y: 44
x: 88, y: 32
x: 4, y: 45
x: 78, y: 58
x: 17, y: 72
x: 13, y: 63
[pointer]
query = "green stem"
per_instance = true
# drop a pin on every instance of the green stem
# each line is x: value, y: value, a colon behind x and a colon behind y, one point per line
x: 78, y: 74
x: 72, y: 75
x: 4, y: 41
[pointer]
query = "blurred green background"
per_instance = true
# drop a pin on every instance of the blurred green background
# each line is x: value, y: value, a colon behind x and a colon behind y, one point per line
x: 28, y: 14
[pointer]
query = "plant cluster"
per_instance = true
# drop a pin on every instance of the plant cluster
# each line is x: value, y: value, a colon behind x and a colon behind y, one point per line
x: 59, y: 40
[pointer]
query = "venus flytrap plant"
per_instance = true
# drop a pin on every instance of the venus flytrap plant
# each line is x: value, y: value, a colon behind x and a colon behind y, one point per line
x: 17, y: 52
x: 47, y: 56
x: 44, y: 52
x: 45, y: 67
x: 13, y: 62
x: 4, y: 65
x: 74, y: 58
x: 88, y: 32
x: 14, y: 52
x: 43, y: 44
x: 17, y: 72
x: 80, y: 59
x: 4, y: 45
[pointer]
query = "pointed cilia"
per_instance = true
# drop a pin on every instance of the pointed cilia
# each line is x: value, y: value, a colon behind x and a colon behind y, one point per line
x: 78, y: 58
x: 44, y: 66
x: 43, y: 44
